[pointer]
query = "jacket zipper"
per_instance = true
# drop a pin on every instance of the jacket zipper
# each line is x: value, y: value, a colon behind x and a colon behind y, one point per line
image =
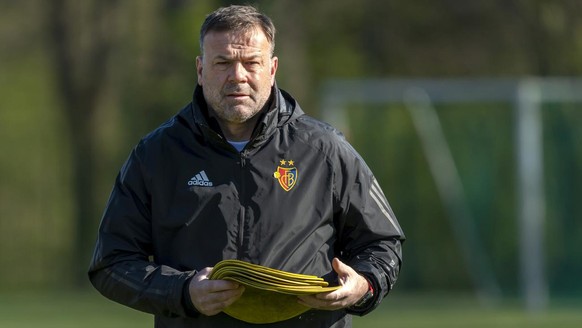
x: 242, y: 196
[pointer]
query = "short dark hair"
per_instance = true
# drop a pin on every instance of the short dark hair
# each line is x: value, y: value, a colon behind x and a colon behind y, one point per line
x: 241, y: 18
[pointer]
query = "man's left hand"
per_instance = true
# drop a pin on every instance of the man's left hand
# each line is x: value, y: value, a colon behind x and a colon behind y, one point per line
x: 353, y: 287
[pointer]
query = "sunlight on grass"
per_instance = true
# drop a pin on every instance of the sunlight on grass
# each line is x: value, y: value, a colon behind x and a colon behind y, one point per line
x: 63, y: 310
x: 451, y: 311
x: 88, y: 309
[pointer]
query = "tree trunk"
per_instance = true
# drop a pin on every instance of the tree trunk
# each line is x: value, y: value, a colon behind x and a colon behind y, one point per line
x: 80, y: 75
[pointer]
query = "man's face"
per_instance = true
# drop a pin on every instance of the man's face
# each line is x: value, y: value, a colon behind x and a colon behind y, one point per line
x: 236, y: 72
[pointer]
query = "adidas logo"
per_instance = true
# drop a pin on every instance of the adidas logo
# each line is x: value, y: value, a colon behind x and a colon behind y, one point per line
x: 200, y: 179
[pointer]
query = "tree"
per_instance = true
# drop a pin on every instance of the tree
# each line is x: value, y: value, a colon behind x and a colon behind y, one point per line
x: 81, y: 50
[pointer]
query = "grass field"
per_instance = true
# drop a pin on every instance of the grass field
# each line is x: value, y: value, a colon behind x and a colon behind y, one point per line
x: 90, y: 310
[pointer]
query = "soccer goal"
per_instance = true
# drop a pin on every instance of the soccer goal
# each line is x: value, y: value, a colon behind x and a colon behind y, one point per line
x: 526, y: 98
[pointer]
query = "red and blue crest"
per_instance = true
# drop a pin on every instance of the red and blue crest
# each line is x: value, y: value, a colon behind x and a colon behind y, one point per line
x: 287, y: 176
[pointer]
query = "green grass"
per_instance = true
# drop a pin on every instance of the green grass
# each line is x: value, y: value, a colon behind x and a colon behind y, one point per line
x: 451, y: 311
x: 67, y: 310
x: 88, y: 309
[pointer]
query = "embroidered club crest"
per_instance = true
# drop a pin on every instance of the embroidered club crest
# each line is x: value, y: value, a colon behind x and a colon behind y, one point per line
x: 286, y: 174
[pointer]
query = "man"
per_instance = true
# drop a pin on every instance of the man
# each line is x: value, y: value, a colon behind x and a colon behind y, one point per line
x: 242, y: 173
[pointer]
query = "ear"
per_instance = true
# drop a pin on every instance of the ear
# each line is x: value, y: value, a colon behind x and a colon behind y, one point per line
x: 199, y: 60
x: 274, y: 65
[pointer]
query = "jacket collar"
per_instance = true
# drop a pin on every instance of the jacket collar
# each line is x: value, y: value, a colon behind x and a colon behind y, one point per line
x: 280, y: 109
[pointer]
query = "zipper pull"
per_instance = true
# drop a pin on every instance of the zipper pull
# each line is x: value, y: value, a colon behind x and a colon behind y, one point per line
x: 243, y: 158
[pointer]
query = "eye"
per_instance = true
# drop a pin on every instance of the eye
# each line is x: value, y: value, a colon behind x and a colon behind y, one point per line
x: 221, y: 64
x: 253, y: 64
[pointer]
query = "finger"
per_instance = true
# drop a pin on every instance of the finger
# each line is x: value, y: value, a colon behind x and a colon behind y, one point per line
x: 200, y: 282
x: 214, y: 286
x: 226, y: 297
x: 314, y: 302
x: 325, y: 298
x: 215, y: 302
x: 212, y: 296
x: 336, y: 295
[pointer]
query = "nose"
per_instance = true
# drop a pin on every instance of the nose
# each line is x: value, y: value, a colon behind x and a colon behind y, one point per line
x: 238, y: 72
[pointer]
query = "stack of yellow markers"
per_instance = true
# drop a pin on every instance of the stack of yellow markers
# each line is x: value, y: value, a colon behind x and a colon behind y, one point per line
x: 270, y: 295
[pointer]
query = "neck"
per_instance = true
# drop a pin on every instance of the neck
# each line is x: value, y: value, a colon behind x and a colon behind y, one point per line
x: 238, y: 131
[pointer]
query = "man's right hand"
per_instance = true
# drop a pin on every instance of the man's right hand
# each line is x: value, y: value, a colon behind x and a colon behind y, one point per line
x: 210, y: 297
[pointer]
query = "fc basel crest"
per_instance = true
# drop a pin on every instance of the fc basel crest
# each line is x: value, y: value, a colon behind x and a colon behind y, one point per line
x: 286, y: 174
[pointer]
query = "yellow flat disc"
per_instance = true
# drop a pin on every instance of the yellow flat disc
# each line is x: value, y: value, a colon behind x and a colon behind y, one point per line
x: 270, y: 295
x: 260, y: 306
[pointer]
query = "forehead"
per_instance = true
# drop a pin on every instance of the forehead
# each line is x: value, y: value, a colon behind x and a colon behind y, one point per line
x: 253, y: 40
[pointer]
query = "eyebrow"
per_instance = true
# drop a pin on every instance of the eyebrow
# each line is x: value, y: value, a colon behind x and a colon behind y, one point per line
x: 223, y: 57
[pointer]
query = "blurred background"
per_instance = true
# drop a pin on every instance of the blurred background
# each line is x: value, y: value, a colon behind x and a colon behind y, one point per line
x: 469, y: 113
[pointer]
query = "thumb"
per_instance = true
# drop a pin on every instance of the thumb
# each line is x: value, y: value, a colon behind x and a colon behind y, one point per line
x: 203, y: 274
x: 340, y: 268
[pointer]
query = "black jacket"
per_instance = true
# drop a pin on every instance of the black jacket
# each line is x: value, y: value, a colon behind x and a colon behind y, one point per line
x: 294, y: 198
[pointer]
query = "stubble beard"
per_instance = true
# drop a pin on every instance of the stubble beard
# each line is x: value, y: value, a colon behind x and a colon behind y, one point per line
x: 236, y: 112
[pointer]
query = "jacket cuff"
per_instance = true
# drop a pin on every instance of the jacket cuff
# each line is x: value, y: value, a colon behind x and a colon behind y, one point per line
x: 189, y: 308
x: 372, y: 303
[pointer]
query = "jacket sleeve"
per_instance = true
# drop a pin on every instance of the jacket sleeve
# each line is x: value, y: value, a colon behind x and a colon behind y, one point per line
x: 121, y: 268
x: 370, y: 235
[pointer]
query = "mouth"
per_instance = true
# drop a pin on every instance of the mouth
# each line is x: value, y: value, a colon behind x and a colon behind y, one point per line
x: 237, y: 96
